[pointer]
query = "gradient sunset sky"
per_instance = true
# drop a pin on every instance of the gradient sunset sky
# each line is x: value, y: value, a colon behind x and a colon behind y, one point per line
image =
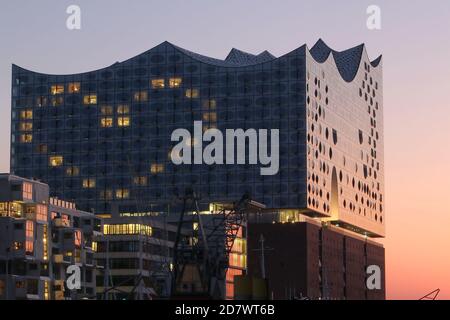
x: 414, y: 42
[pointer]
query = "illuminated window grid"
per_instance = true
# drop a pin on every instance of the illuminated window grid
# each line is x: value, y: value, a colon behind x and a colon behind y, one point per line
x: 90, y: 99
x: 123, y: 121
x: 123, y: 109
x: 73, y: 87
x: 46, y: 290
x: 122, y: 194
x: 106, y: 122
x: 175, y: 82
x: 156, y: 168
x: 57, y: 89
x: 158, y: 83
x: 44, y: 242
x: 56, y: 161
x: 41, y: 213
x: 238, y: 260
x: 27, y: 190
x: 89, y: 183
x: 29, y: 234
x: 77, y: 239
x: 26, y: 114
x: 26, y: 138
x: 26, y: 126
x: 11, y: 209
x: 118, y: 229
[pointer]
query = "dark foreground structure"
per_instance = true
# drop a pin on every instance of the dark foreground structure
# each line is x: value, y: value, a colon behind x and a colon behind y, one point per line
x: 308, y: 260
x: 103, y: 139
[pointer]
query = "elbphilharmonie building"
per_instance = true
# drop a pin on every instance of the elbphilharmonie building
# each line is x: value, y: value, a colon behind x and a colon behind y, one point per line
x: 102, y: 139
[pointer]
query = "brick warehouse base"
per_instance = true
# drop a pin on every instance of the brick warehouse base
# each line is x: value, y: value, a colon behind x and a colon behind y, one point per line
x: 307, y: 260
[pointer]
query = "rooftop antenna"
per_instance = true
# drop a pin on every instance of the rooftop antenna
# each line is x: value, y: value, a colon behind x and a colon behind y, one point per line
x: 262, y: 257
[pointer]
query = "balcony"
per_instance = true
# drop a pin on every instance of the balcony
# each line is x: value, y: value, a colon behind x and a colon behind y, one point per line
x: 61, y: 223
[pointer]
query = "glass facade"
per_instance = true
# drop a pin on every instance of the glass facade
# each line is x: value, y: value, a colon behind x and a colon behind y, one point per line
x: 103, y: 138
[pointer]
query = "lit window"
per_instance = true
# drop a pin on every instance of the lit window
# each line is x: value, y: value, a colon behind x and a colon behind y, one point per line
x: 44, y: 239
x: 157, y: 168
x: 73, y: 87
x: 27, y: 190
x: 29, y: 234
x: 192, y: 93
x: 41, y: 101
x: 57, y: 101
x: 158, y: 83
x: 26, y: 114
x: 210, y: 116
x: 77, y: 237
x: 209, y: 104
x: 123, y: 109
x: 26, y: 126
x: 56, y: 161
x: 57, y: 89
x: 46, y: 288
x: 18, y: 245
x: 106, y: 110
x: 123, y: 121
x: 29, y: 247
x: 26, y: 138
x: 127, y: 229
x: 140, y: 181
x: 122, y: 194
x: 72, y: 171
x: 89, y: 183
x: 90, y: 99
x: 10, y: 209
x: 175, y: 82
x: 41, y: 212
x: 106, y: 122
x: 141, y: 96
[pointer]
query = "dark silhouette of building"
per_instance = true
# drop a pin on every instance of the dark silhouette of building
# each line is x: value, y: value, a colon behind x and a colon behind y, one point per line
x: 309, y: 260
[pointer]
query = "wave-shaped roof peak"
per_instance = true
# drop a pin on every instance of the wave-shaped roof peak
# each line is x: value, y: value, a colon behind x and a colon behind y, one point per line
x: 347, y: 61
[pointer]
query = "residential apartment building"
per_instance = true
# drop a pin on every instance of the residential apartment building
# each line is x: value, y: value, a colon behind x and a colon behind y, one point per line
x: 39, y: 238
x: 135, y: 253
